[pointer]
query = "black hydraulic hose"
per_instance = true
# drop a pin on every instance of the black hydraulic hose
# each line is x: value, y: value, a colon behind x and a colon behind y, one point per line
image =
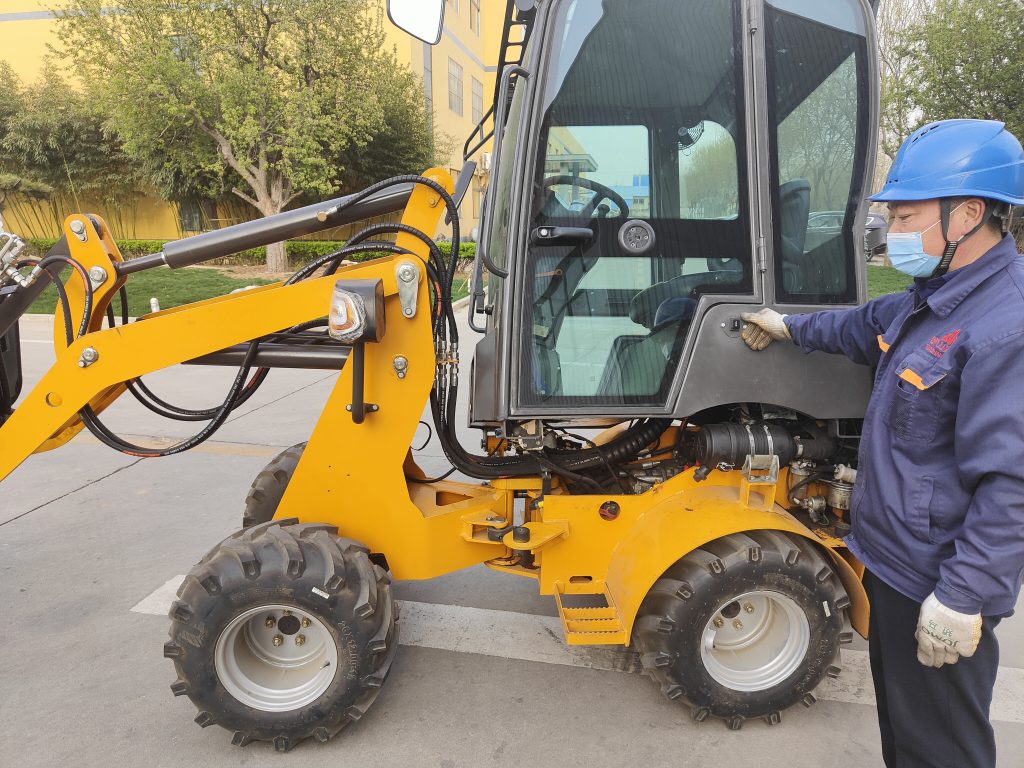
x: 146, y: 397
x: 107, y: 437
x: 570, y: 476
x: 89, y: 417
x: 435, y: 256
x: 86, y: 284
x: 604, y: 458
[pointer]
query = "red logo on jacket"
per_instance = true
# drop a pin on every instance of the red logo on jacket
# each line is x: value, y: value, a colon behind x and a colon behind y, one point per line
x: 939, y: 345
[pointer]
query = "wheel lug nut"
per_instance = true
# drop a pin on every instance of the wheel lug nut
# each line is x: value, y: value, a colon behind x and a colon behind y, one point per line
x: 277, y: 640
x: 305, y: 623
x: 738, y: 624
x: 719, y: 622
x: 300, y: 639
x: 749, y: 608
x: 269, y: 622
x: 286, y: 613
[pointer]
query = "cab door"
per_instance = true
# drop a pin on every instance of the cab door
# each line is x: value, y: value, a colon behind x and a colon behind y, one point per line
x: 640, y: 206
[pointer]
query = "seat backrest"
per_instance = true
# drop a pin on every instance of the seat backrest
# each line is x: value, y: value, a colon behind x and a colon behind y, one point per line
x: 794, y: 211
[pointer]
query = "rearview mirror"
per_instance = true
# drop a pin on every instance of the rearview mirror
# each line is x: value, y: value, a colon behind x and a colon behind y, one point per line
x: 422, y: 19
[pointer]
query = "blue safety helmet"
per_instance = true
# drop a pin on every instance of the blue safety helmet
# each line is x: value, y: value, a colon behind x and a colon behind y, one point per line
x: 957, y: 158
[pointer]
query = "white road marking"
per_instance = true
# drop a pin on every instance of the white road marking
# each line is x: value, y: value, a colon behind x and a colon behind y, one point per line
x: 158, y: 603
x: 528, y: 637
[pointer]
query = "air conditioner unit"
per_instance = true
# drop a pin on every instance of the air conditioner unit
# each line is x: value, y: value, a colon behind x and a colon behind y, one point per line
x: 485, y: 162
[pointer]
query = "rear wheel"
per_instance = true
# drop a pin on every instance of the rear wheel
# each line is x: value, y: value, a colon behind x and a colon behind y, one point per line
x: 744, y: 627
x: 283, y: 632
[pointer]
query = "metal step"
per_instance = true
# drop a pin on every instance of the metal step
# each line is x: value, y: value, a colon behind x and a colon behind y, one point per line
x: 592, y: 626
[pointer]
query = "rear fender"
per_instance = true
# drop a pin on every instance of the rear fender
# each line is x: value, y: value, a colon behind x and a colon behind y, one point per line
x: 684, y: 521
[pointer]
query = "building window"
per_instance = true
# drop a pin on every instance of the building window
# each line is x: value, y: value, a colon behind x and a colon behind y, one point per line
x: 454, y: 86
x: 474, y: 16
x: 190, y: 216
x: 478, y: 100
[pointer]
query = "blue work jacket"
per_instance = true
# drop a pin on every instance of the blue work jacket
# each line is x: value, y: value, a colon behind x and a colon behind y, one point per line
x: 939, y: 499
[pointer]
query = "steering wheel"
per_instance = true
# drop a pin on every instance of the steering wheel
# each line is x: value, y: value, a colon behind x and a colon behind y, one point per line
x: 601, y: 192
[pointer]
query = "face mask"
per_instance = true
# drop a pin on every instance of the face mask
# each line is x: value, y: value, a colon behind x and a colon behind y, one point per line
x: 906, y: 252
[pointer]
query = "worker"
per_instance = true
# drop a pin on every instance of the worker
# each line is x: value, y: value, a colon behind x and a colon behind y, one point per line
x: 938, y: 507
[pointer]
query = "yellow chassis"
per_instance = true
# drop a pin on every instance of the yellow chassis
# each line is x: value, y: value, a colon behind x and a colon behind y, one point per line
x: 354, y: 475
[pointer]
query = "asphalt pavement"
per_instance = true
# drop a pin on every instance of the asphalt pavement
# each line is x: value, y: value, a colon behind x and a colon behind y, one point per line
x: 91, y: 543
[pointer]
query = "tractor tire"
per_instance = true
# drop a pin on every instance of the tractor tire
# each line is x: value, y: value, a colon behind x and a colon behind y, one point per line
x: 744, y: 627
x: 268, y: 488
x: 283, y: 632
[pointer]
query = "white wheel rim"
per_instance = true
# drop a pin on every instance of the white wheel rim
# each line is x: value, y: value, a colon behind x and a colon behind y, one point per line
x: 276, y: 658
x: 755, y: 641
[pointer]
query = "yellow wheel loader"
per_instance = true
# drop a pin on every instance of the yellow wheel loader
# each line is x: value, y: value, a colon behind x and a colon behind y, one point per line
x: 654, y: 173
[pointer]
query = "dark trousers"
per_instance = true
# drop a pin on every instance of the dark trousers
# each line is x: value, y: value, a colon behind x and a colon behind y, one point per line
x: 929, y: 718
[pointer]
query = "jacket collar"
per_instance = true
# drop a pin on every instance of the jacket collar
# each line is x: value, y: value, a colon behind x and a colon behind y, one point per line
x: 964, y: 280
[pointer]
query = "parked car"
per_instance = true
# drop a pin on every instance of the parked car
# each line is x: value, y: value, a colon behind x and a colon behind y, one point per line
x: 824, y: 225
x: 875, y: 229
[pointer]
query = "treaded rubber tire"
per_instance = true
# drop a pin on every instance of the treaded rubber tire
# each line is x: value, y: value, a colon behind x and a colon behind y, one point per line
x: 282, y: 562
x: 268, y: 488
x: 671, y: 621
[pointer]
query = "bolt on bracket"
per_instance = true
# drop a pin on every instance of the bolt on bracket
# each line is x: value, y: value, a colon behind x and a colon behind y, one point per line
x: 407, y: 275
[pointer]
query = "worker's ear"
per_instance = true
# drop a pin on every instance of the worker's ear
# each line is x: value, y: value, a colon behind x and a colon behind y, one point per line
x: 972, y: 212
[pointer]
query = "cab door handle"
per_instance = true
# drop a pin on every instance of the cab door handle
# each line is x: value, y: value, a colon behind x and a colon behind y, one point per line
x: 561, y: 235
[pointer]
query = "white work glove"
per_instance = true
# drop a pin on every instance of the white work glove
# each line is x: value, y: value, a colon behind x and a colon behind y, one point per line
x: 763, y: 328
x: 944, y: 635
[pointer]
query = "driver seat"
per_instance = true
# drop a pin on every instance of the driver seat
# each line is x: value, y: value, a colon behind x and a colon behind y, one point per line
x: 794, y: 213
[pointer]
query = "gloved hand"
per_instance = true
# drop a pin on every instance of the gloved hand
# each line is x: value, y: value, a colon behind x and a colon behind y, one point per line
x: 944, y: 635
x: 763, y: 328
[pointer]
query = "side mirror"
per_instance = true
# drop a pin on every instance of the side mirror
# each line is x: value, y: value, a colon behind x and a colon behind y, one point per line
x: 423, y: 19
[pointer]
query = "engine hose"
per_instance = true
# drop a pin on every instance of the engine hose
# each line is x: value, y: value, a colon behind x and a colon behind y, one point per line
x: 621, y: 448
x: 566, y: 464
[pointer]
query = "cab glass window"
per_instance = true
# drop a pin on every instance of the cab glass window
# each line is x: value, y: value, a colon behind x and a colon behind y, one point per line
x: 818, y: 96
x: 641, y: 120
x: 708, y: 176
x: 585, y: 164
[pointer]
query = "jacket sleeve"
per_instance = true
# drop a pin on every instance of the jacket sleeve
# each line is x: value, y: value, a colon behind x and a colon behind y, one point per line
x: 989, y: 448
x: 850, y: 332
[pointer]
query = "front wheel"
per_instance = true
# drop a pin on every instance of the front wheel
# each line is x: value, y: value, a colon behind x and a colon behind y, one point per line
x: 283, y: 632
x: 744, y: 627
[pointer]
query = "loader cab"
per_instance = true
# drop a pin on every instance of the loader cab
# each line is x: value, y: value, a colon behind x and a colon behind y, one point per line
x: 658, y: 168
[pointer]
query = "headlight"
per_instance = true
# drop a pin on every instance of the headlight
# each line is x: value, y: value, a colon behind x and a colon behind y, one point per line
x: 347, y: 318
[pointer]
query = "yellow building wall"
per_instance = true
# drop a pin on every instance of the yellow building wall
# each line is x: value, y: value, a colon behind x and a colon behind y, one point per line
x: 27, y: 27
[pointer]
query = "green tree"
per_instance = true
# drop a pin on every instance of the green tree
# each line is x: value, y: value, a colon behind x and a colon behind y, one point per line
x: 971, y: 58
x: 899, y: 47
x: 277, y: 93
x: 57, y: 138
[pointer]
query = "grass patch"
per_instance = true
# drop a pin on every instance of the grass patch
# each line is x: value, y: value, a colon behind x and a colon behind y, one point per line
x: 884, y: 280
x: 184, y: 286
x: 460, y: 288
x: 172, y: 287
